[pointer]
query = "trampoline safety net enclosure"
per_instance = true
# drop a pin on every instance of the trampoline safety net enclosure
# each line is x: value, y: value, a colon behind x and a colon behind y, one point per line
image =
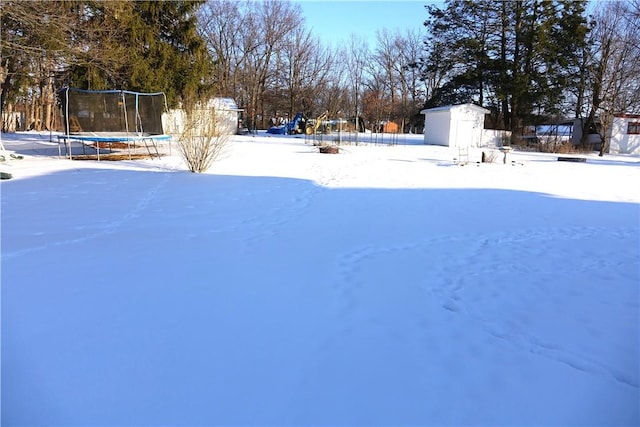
x: 110, y: 118
x: 112, y: 111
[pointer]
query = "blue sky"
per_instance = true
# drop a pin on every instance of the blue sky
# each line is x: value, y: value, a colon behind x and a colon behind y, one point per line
x: 334, y: 21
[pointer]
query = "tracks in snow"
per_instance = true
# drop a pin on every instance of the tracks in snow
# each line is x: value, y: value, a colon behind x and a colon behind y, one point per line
x: 468, y: 276
x: 108, y: 228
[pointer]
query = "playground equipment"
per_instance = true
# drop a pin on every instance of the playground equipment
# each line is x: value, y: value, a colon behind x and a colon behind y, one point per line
x: 313, y: 125
x: 293, y: 127
x: 107, y: 117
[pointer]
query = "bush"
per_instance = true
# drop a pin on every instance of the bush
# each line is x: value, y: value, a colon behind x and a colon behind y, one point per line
x: 490, y: 156
x: 202, y: 139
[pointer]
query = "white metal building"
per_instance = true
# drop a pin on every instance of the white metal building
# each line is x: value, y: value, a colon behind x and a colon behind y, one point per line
x: 454, y: 125
x: 624, y: 134
x: 223, y: 110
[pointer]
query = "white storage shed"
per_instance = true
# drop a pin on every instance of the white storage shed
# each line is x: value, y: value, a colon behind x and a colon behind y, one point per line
x: 223, y: 110
x: 454, y: 125
x: 624, y: 134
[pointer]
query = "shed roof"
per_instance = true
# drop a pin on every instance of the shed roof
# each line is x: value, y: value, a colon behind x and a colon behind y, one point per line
x: 456, y: 107
x: 227, y: 104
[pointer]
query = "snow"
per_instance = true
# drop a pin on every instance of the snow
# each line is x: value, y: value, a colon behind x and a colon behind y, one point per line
x: 385, y: 285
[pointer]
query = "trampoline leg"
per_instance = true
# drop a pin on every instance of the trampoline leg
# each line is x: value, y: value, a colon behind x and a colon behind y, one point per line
x: 146, y: 144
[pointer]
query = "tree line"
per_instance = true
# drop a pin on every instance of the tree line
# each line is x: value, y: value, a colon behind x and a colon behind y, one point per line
x: 261, y: 54
x: 533, y: 61
x: 143, y: 46
x: 525, y: 60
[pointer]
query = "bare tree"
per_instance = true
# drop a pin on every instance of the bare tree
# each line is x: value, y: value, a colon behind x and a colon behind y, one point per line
x: 272, y: 21
x: 398, y: 80
x: 309, y: 67
x: 267, y: 60
x: 34, y: 37
x: 385, y: 57
x: 222, y: 25
x: 615, y: 70
x: 39, y: 40
x: 412, y: 90
x: 634, y: 14
x: 357, y: 55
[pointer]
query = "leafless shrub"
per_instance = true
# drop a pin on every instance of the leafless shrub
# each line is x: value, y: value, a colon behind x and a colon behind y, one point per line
x: 556, y: 146
x: 490, y: 156
x: 202, y: 139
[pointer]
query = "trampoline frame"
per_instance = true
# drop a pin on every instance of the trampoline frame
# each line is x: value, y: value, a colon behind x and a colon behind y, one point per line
x: 85, y: 140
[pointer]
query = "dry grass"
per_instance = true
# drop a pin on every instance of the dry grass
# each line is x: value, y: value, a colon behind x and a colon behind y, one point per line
x: 116, y: 156
x: 564, y: 148
x: 111, y: 145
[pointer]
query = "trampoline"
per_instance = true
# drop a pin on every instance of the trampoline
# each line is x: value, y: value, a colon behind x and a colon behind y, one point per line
x: 102, y: 119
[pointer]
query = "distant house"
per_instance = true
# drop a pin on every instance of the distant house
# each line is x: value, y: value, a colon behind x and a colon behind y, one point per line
x: 223, y: 110
x: 390, y: 127
x: 455, y: 125
x: 624, y: 134
x: 593, y: 139
x: 549, y: 135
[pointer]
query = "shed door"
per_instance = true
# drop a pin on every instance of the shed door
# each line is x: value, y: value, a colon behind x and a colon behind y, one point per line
x: 464, y: 134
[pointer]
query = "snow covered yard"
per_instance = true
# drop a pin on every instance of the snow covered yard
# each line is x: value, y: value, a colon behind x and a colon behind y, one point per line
x: 380, y: 286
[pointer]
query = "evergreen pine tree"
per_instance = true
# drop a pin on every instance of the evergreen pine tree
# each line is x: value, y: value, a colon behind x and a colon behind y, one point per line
x: 517, y: 56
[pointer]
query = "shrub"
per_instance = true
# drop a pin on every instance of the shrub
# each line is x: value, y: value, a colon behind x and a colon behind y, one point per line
x: 202, y: 139
x: 490, y: 156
